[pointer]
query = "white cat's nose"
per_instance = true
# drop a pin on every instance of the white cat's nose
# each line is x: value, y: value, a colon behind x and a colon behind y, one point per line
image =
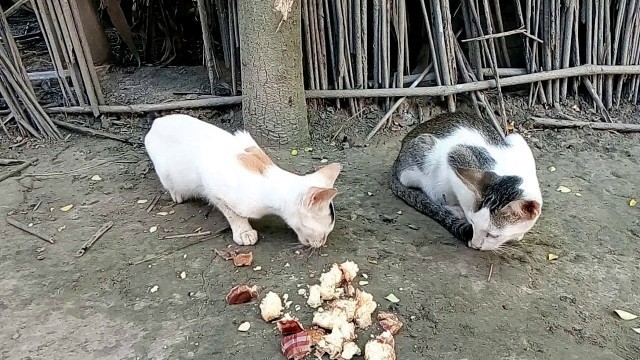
x: 471, y: 245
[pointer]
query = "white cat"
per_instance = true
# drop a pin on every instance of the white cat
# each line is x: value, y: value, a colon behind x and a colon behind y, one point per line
x: 195, y: 159
x: 458, y: 170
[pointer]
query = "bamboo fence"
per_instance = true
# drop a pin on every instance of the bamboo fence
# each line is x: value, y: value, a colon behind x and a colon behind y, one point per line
x: 390, y: 50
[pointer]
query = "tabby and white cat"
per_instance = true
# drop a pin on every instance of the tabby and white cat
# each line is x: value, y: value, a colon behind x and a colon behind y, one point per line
x: 195, y: 159
x: 458, y: 170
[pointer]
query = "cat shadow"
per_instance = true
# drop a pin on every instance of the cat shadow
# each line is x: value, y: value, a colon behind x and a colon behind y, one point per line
x: 275, y: 230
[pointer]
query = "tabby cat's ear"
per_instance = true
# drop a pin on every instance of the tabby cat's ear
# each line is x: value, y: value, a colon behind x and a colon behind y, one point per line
x: 474, y: 179
x: 526, y: 209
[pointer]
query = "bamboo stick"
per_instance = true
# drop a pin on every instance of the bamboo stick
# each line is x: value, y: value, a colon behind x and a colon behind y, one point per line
x: 583, y: 70
x: 70, y: 33
x: 566, y: 51
x: 625, y: 47
x: 315, y: 53
x: 596, y: 98
x: 58, y: 52
x: 377, y: 66
x: 232, y: 45
x: 500, y: 29
x: 365, y: 44
x: 400, y: 31
x: 360, y: 80
x: 142, y: 108
x: 207, y: 47
x: 72, y: 8
x: 54, y: 52
x: 324, y: 77
x: 395, y: 106
x: 557, y: 123
x: 307, y: 44
x: 332, y: 52
x: 442, y: 51
x: 432, y: 46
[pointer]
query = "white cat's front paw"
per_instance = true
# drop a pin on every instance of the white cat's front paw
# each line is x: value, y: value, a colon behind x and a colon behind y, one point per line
x: 246, y: 238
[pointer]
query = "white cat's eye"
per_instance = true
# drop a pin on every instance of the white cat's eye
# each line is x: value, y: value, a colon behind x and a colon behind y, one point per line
x: 493, y: 235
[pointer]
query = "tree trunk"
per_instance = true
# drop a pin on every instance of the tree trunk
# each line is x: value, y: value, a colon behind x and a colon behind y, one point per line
x: 273, y: 104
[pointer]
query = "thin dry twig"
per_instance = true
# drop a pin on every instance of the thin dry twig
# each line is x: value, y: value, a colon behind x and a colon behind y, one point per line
x: 490, y: 273
x: 25, y: 228
x: 172, y: 251
x: 182, y: 236
x: 19, y: 169
x: 87, y: 245
x: 153, y: 203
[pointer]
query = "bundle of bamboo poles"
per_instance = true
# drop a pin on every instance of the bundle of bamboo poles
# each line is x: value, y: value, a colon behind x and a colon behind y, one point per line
x: 64, y: 35
x: 223, y: 14
x: 16, y: 90
x: 611, y: 32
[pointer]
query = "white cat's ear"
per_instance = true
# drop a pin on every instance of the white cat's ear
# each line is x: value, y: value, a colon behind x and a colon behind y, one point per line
x: 472, y: 178
x: 319, y: 197
x: 330, y: 173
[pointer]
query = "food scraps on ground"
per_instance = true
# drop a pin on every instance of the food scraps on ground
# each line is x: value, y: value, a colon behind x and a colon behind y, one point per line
x: 243, y: 259
x: 296, y: 342
x: 349, y: 270
x: 341, y: 309
x: 241, y: 294
x: 239, y: 259
x: 380, y: 348
x: 314, y: 300
x: 227, y: 255
x: 347, y: 308
x: 289, y: 325
x: 349, y: 350
x: 389, y: 322
x: 329, y: 283
x: 271, y: 307
x: 244, y: 326
x: 332, y: 344
x: 366, y: 306
x: 315, y: 334
x: 296, y: 346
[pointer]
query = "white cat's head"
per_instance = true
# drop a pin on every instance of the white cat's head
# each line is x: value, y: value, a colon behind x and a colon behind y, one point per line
x: 314, y: 216
x: 501, y: 213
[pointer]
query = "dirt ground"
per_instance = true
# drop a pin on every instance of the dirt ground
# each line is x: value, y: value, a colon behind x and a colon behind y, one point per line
x: 99, y: 306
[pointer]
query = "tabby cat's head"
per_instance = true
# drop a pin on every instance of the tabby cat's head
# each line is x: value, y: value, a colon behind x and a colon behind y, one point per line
x: 502, y: 213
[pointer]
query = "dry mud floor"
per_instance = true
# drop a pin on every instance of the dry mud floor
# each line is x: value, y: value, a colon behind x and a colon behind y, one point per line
x: 98, y: 306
